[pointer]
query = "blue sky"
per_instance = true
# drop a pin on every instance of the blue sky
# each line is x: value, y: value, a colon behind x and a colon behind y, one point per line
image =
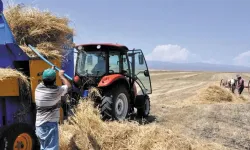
x: 212, y: 31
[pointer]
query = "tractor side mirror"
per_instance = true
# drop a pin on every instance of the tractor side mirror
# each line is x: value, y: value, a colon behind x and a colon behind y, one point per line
x: 141, y: 60
x: 89, y: 60
x: 146, y: 73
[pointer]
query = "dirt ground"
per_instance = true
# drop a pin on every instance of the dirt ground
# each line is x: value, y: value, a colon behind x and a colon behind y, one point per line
x: 225, y: 123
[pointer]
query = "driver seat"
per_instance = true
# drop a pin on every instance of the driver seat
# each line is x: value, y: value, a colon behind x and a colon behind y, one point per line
x: 99, y: 67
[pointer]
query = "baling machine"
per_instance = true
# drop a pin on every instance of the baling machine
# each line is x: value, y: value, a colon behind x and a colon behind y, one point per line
x: 17, y: 105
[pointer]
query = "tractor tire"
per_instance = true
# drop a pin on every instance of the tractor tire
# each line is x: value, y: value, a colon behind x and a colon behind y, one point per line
x: 19, y: 135
x: 115, y: 104
x: 145, y: 110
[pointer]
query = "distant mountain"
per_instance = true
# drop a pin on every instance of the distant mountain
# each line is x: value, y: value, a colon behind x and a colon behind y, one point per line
x: 158, y: 65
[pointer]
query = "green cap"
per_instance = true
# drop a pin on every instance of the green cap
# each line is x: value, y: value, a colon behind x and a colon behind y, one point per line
x: 49, y: 74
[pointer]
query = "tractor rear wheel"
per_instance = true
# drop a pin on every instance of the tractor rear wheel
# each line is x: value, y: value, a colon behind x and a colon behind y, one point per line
x: 145, y: 110
x: 115, y: 104
x: 19, y: 136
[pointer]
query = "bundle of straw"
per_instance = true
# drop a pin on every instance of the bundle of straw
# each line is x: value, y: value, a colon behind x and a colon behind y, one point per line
x: 44, y: 30
x: 213, y: 93
x: 6, y: 73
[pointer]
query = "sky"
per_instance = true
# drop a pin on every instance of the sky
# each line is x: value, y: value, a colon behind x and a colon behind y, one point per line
x: 208, y: 31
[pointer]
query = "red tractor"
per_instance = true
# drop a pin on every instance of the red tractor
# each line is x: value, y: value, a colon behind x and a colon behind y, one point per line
x: 120, y: 74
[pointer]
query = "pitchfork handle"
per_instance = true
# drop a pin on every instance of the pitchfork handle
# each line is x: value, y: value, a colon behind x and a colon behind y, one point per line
x: 48, y: 62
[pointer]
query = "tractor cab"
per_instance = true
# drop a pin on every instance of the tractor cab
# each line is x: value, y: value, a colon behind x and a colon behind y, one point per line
x: 98, y: 60
x: 114, y: 69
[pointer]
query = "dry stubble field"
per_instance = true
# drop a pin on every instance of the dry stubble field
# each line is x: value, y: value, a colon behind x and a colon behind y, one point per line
x: 175, y: 106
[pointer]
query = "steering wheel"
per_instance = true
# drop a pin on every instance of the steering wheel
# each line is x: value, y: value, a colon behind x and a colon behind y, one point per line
x: 111, y: 71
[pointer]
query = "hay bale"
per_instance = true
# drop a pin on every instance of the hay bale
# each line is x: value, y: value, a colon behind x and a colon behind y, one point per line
x: 6, y: 73
x: 42, y: 29
x: 24, y: 84
x: 85, y: 130
x: 215, y: 93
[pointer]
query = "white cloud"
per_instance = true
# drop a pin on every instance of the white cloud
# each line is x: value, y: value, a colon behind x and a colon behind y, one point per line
x: 242, y: 59
x: 176, y: 53
x: 172, y: 53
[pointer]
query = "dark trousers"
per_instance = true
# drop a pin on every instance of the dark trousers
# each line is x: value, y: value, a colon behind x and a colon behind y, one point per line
x: 240, y: 90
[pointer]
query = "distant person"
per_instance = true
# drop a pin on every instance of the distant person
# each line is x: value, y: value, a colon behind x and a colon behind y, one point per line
x: 240, y: 85
x: 228, y: 83
x: 233, y: 84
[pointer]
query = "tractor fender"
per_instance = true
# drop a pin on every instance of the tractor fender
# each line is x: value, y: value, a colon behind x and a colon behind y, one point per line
x: 109, y: 79
x: 114, y: 79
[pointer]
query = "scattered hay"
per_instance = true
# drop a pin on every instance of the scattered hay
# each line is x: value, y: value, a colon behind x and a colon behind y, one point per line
x: 6, y: 73
x: 51, y: 54
x: 242, y: 98
x: 94, y: 93
x: 42, y: 29
x: 87, y: 131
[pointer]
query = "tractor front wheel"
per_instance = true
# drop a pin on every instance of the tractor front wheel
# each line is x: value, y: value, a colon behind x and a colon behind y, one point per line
x: 115, y: 104
x: 145, y: 110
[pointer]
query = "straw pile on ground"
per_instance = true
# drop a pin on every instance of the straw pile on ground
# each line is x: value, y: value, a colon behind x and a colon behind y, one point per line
x: 87, y: 131
x: 217, y: 94
x: 42, y: 29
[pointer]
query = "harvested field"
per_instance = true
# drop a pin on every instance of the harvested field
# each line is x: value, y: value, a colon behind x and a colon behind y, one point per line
x: 196, y: 107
